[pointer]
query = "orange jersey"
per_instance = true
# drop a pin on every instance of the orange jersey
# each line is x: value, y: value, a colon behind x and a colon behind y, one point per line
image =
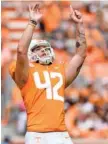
x: 43, y: 96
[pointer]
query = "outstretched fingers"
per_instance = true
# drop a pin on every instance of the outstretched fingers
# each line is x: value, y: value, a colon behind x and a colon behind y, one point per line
x: 71, y: 10
x: 34, y: 8
x: 78, y: 14
x: 30, y: 8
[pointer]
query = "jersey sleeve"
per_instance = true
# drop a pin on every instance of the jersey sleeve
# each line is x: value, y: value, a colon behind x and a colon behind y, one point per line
x: 11, y: 70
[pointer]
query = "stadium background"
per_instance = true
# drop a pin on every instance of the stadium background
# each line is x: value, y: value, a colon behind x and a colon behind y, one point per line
x: 87, y: 105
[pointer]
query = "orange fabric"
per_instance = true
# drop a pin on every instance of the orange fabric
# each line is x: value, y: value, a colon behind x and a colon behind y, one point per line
x: 16, y: 95
x: 44, y: 114
x: 93, y: 36
x: 94, y: 55
x: 62, y: 55
x: 97, y: 36
x: 52, y: 17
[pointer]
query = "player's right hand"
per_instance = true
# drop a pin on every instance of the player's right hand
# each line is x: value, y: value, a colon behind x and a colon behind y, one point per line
x: 34, y: 13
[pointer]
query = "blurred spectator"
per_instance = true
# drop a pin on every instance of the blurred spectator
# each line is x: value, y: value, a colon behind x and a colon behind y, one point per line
x: 52, y: 16
x: 87, y: 97
x: 58, y: 39
x: 103, y: 25
x: 15, y: 111
x: 5, y: 59
x: 70, y: 41
x: 6, y: 140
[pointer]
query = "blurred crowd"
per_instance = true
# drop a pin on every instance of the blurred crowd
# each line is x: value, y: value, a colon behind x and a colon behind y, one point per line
x: 86, y: 104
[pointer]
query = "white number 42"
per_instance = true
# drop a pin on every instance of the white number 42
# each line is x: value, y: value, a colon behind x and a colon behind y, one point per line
x: 51, y: 92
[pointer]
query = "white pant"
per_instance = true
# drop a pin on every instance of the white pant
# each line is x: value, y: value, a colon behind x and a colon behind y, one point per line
x: 47, y: 138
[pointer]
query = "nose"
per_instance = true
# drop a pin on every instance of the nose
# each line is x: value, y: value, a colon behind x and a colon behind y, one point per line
x: 43, y: 53
x: 42, y: 50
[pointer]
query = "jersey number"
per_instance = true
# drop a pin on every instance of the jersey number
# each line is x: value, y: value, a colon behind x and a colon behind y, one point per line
x: 51, y: 92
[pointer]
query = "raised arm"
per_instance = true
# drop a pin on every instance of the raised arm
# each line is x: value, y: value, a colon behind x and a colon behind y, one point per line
x: 22, y: 64
x: 74, y: 66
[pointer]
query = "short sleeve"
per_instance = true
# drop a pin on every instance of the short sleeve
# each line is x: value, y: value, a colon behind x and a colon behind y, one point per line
x: 12, y: 68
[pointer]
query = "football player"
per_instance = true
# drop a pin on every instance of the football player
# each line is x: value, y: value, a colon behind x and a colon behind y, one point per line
x: 42, y: 81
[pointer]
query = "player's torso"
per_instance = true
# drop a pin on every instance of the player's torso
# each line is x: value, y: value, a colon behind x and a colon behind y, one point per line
x: 44, y: 98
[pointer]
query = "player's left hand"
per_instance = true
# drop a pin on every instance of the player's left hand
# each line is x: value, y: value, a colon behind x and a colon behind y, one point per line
x: 75, y: 15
